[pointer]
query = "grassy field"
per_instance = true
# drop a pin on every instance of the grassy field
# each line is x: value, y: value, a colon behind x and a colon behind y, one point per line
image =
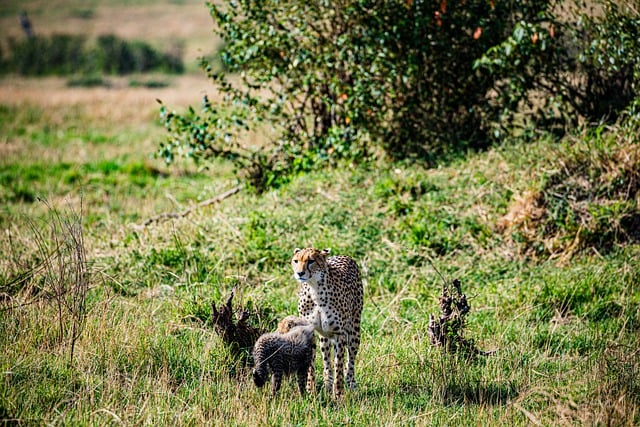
x: 561, y: 308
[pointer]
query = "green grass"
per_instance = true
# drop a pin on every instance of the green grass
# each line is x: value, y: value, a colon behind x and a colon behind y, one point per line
x: 148, y: 355
x: 565, y: 327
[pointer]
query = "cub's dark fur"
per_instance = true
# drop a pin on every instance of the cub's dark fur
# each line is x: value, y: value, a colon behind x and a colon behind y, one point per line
x: 280, y: 354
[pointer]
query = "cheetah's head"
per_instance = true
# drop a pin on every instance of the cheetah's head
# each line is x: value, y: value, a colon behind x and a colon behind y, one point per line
x: 309, y: 263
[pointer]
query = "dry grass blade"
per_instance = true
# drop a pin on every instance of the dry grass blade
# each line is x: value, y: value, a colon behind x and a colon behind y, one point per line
x: 63, y: 273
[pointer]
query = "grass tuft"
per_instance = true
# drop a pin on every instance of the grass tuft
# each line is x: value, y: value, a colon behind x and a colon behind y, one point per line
x: 587, y: 200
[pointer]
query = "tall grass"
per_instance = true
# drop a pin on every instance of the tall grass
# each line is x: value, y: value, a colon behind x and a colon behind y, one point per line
x: 565, y: 329
x: 54, y: 271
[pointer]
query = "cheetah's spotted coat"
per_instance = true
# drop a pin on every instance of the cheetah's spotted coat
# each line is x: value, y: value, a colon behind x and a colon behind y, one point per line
x: 331, y: 297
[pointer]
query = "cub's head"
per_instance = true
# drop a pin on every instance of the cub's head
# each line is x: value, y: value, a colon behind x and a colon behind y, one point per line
x: 309, y: 262
x: 259, y: 377
x: 290, y: 322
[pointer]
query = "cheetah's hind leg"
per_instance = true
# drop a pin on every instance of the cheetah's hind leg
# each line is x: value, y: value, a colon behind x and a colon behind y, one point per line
x: 352, y: 352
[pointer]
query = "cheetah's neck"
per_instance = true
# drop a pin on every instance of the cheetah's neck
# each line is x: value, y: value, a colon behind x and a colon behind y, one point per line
x: 322, y: 316
x: 317, y: 289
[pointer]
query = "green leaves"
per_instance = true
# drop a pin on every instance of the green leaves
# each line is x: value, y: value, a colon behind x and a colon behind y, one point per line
x: 332, y: 82
x: 559, y: 70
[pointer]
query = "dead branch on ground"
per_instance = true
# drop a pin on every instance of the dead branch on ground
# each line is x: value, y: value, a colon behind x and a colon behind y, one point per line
x: 184, y: 213
x: 447, y: 331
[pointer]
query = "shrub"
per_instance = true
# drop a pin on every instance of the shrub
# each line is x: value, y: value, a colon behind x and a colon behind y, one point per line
x: 59, y: 54
x: 116, y: 56
x: 414, y: 79
x: 343, y: 81
x: 580, y: 65
x: 610, y: 63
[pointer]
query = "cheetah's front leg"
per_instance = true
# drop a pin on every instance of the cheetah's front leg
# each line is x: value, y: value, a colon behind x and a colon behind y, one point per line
x: 325, y: 349
x: 311, y: 378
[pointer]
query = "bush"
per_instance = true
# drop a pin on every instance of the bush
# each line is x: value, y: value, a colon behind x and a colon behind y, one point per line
x: 116, y: 56
x: 64, y: 54
x: 59, y: 54
x: 610, y: 63
x: 582, y: 65
x: 410, y: 78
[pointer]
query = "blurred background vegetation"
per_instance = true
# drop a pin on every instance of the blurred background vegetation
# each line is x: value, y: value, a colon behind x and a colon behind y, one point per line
x: 66, y: 54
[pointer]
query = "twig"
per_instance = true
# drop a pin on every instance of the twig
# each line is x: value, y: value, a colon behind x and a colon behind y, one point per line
x: 444, y: 281
x: 184, y: 213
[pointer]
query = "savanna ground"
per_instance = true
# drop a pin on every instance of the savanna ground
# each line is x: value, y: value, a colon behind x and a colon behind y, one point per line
x: 564, y: 321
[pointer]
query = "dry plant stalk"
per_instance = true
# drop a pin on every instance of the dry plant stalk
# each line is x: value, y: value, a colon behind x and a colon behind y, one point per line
x: 64, y: 271
x: 447, y: 331
x: 239, y: 336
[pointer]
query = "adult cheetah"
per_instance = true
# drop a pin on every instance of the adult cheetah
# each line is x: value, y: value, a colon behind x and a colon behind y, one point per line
x: 331, y: 297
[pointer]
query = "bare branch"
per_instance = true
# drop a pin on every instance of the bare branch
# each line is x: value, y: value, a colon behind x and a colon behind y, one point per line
x: 178, y: 215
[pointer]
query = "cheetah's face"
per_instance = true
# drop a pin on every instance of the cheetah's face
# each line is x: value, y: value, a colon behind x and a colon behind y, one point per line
x: 309, y: 263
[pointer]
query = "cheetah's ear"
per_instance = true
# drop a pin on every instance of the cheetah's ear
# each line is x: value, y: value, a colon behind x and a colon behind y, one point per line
x: 326, y: 252
x: 296, y: 250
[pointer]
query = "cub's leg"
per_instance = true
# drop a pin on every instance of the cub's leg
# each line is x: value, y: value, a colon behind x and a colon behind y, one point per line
x: 276, y: 381
x: 302, y: 380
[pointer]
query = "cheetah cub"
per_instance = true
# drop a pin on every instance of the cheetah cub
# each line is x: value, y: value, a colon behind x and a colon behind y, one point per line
x: 330, y: 297
x: 284, y: 326
x: 280, y: 354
